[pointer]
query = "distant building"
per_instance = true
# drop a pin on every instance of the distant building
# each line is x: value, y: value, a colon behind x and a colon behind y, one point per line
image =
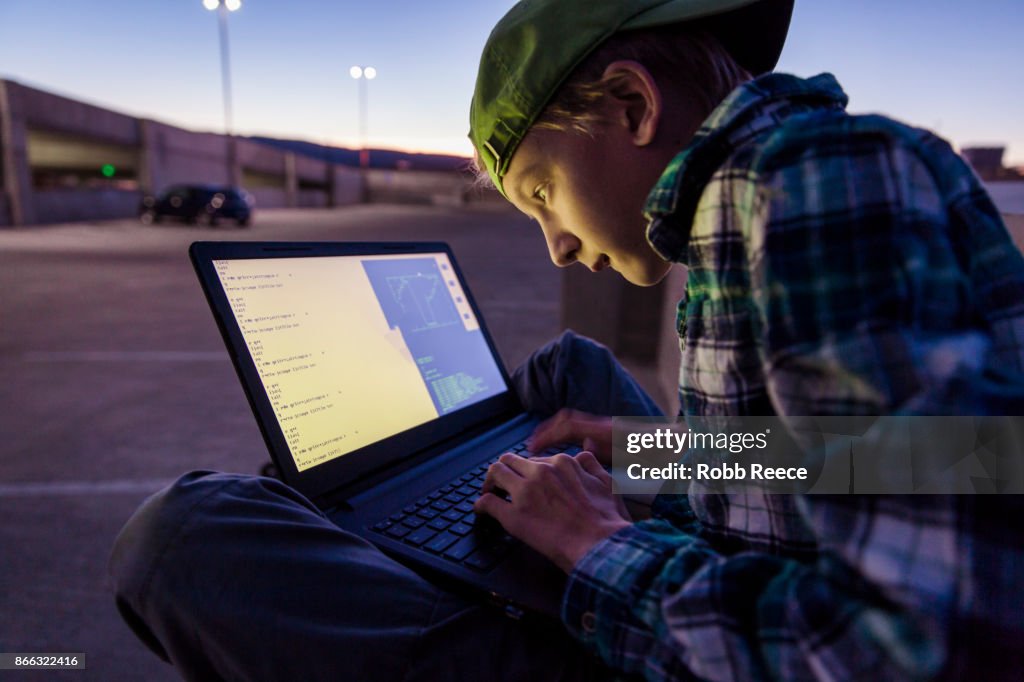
x: 987, y: 162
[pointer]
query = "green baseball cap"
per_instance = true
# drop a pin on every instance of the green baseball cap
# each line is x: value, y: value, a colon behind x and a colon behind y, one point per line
x: 535, y: 47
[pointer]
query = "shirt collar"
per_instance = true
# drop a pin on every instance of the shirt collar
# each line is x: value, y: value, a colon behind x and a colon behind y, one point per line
x: 750, y: 109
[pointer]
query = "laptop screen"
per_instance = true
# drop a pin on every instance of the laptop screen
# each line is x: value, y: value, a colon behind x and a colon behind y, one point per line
x: 354, y: 349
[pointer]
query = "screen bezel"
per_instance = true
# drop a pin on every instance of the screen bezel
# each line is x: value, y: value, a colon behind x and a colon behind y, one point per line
x: 346, y: 469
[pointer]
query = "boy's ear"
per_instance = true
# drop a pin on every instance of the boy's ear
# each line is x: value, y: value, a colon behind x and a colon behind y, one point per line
x: 635, y: 99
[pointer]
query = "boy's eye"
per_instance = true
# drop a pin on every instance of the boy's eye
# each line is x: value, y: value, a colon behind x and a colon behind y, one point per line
x: 541, y: 193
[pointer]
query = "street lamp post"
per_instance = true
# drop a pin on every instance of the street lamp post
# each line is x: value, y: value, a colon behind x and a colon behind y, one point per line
x: 363, y: 74
x: 223, y: 7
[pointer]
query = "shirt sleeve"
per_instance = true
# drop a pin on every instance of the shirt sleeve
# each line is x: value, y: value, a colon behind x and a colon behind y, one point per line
x: 862, y: 307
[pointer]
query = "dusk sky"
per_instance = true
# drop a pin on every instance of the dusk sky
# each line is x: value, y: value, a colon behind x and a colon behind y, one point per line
x: 953, y: 66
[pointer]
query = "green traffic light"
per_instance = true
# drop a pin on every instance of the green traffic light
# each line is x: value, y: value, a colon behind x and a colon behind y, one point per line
x: 108, y: 170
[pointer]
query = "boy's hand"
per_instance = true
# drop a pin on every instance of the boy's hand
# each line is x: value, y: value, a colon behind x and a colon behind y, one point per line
x: 591, y: 432
x: 560, y: 505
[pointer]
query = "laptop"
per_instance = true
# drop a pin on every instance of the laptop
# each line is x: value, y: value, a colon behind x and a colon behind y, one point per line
x: 382, y: 399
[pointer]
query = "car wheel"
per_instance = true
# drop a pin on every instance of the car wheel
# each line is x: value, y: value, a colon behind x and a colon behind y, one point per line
x: 242, y: 223
x: 147, y: 218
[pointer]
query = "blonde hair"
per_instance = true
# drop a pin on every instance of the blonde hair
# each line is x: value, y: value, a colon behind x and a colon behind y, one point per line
x: 681, y: 57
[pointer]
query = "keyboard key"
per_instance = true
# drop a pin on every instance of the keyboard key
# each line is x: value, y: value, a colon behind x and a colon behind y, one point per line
x: 453, y: 497
x: 397, y: 517
x: 411, y: 509
x: 461, y: 528
x: 461, y: 549
x: 469, y: 489
x: 440, y: 505
x: 441, y: 542
x: 464, y: 507
x: 382, y: 526
x: 427, y: 513
x: 453, y: 515
x: 413, y: 522
x: 434, y: 495
x: 439, y: 523
x: 447, y: 489
x: 398, y: 531
x: 419, y: 536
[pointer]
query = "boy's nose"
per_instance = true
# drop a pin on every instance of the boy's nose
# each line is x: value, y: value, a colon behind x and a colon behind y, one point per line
x: 562, y: 246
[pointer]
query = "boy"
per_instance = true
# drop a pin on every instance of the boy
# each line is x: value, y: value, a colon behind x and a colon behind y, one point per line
x: 837, y: 265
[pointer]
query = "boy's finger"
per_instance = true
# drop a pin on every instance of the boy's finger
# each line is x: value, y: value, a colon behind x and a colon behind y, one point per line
x: 501, y: 475
x: 590, y: 464
x: 493, y: 506
x: 516, y: 463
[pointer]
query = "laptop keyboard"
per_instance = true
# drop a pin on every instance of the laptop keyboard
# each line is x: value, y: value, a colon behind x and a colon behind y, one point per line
x: 443, y: 523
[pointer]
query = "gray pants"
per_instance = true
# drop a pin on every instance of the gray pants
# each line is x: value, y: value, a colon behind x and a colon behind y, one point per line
x: 241, y: 578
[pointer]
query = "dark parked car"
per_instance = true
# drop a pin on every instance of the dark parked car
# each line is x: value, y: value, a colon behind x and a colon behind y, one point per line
x: 203, y: 204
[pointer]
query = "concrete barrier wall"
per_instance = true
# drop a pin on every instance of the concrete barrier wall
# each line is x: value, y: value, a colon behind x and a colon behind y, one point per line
x: 173, y: 156
x: 17, y: 178
x: 269, y: 197
x: 63, y: 205
x: 47, y: 111
x: 312, y: 198
x: 311, y: 170
x: 259, y: 157
x: 346, y: 186
x: 420, y: 181
x: 416, y: 187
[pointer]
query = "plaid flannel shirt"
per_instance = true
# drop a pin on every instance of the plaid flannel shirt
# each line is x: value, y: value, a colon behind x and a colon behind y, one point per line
x: 840, y: 265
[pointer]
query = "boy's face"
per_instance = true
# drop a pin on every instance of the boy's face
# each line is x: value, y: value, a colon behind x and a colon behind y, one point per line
x: 588, y: 195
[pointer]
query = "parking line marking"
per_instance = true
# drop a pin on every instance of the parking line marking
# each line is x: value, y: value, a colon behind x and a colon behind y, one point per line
x: 116, y: 487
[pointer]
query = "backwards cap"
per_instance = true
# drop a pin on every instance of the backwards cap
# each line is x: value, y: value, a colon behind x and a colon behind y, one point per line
x: 535, y: 47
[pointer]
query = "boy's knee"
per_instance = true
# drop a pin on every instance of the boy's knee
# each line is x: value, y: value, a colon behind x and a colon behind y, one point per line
x: 177, y: 548
x: 574, y: 355
x: 203, y: 503
x: 146, y: 536
x: 155, y: 522
x: 576, y: 344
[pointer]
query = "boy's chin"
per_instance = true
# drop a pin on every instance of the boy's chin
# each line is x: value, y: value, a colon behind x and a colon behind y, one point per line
x: 645, y: 274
